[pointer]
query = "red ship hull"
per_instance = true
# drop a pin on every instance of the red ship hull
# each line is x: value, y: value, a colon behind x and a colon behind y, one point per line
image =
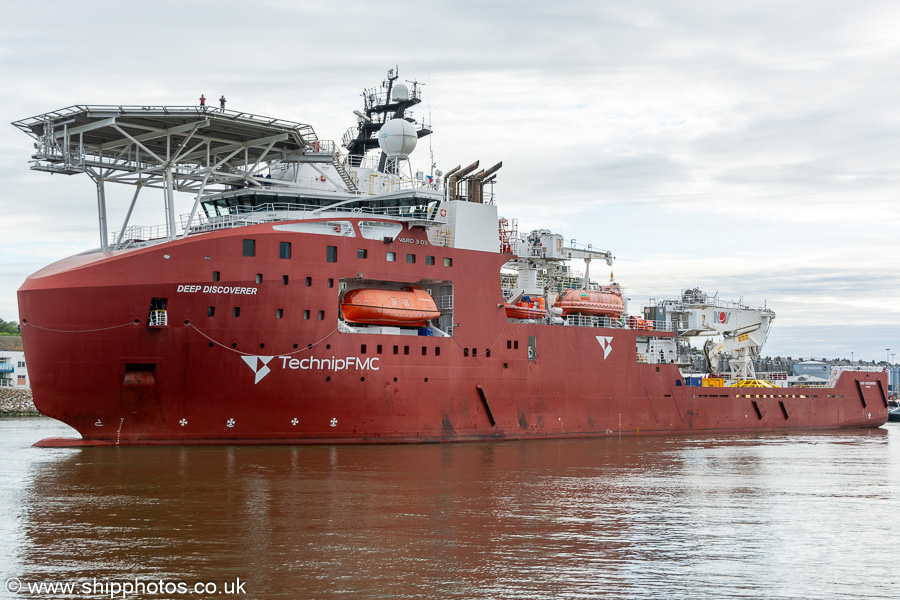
x: 245, y: 362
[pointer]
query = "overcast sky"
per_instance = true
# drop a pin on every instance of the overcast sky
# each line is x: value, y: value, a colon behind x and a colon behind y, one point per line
x: 749, y: 149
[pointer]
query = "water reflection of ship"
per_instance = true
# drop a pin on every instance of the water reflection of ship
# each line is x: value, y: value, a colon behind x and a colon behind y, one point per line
x: 496, y: 520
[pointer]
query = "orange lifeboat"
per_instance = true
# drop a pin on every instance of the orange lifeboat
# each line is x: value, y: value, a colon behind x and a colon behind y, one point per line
x: 606, y: 302
x: 527, y: 309
x: 413, y: 307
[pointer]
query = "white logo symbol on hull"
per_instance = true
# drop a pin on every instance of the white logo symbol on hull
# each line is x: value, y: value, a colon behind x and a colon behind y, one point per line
x: 606, y: 344
x: 258, y: 364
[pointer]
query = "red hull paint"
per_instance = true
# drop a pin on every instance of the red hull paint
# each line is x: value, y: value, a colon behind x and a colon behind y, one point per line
x: 255, y: 378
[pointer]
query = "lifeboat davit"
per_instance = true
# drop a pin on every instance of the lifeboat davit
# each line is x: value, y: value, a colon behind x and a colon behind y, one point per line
x: 605, y: 302
x: 527, y: 309
x: 412, y: 308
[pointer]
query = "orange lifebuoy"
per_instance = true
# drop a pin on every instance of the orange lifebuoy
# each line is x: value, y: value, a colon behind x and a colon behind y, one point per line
x: 443, y: 212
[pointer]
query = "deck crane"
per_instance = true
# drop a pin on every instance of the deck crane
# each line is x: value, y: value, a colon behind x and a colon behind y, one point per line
x: 542, y: 251
x: 743, y: 329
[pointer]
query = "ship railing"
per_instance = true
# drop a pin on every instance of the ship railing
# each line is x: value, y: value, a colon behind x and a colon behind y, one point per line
x: 135, y: 234
x: 158, y: 318
x: 592, y: 321
x: 269, y: 213
x: 692, y: 301
x: 772, y: 375
x: 320, y: 148
x: 441, y: 237
x: 275, y: 212
x: 445, y: 303
x: 615, y: 323
x: 650, y: 358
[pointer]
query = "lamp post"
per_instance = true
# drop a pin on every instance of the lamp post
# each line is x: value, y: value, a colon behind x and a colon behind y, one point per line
x: 887, y: 357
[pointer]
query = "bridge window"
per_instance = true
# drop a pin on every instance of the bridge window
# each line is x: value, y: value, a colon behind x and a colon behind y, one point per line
x: 249, y: 247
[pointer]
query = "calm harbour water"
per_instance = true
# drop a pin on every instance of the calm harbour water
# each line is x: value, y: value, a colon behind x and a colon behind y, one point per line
x: 763, y: 516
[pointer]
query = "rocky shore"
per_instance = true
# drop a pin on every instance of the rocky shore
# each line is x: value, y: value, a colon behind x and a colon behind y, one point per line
x: 17, y: 402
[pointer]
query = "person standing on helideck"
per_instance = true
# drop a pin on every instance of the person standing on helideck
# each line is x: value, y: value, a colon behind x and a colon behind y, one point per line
x: 222, y: 102
x: 202, y: 101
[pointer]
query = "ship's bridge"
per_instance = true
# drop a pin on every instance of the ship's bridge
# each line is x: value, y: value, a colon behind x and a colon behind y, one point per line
x: 194, y: 149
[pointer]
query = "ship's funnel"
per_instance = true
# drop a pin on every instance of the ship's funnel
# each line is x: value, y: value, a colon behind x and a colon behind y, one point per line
x: 468, y: 169
x: 453, y: 182
x: 492, y: 170
x: 476, y: 185
x: 450, y: 172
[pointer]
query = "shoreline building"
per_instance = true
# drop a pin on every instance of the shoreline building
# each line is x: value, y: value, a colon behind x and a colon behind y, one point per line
x: 13, y: 372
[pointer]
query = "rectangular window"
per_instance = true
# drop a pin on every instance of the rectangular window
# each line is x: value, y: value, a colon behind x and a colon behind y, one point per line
x: 465, y: 351
x: 279, y: 313
x: 236, y: 312
x: 331, y: 255
x: 396, y: 349
x: 249, y: 247
x: 284, y: 280
x: 406, y: 350
x: 424, y: 350
x: 362, y: 349
x: 362, y: 253
x: 321, y: 315
x: 308, y: 281
x: 411, y: 259
x: 330, y: 282
x: 378, y: 349
x: 487, y: 353
x: 429, y: 260
x: 306, y: 315
x: 284, y: 250
x: 211, y: 311
x: 448, y: 262
x: 391, y: 256
x: 437, y: 351
x: 216, y: 275
x: 259, y: 278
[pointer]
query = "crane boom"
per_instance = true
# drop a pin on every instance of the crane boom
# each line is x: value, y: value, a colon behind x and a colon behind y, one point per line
x: 743, y: 329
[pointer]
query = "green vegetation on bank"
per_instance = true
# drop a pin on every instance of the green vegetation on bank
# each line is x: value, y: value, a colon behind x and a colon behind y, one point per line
x: 9, y: 328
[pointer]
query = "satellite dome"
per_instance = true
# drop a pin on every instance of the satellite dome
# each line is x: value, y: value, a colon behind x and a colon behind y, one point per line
x: 397, y: 138
x: 400, y: 93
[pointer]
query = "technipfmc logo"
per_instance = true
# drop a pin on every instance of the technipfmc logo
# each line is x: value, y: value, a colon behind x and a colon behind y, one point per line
x: 606, y: 344
x: 258, y: 364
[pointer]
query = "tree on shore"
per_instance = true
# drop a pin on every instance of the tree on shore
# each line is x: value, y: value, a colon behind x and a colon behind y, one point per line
x: 9, y: 328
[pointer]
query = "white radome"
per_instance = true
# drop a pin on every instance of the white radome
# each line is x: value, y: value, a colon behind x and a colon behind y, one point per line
x: 397, y: 138
x: 400, y: 93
